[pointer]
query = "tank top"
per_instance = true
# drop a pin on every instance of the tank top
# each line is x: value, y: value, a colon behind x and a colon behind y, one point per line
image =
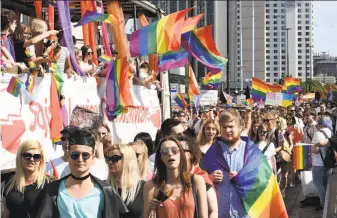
x: 181, y: 208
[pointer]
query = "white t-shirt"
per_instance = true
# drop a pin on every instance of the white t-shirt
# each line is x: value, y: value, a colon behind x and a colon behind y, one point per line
x: 61, y: 62
x: 59, y: 164
x: 98, y: 169
x: 316, y: 158
x: 152, y: 159
x: 269, y: 153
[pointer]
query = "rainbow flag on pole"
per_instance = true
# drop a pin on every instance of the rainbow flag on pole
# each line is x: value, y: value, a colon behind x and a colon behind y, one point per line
x: 180, y: 100
x: 302, y: 156
x: 261, y: 88
x: 14, y: 87
x: 191, y: 22
x: 193, y: 89
x: 293, y: 85
x: 199, y: 44
x: 160, y: 36
x: 105, y: 58
x: 172, y: 60
x: 91, y: 16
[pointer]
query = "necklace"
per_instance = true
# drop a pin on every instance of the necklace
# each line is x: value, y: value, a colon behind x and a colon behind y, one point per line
x: 80, y: 178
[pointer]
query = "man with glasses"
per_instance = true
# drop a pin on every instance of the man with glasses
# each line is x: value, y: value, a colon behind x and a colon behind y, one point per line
x: 292, y: 113
x: 80, y: 194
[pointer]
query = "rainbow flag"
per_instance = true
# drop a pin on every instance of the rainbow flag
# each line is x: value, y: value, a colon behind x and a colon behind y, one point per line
x: 288, y: 99
x: 199, y: 44
x: 118, y: 95
x: 105, y: 58
x: 302, y: 156
x: 293, y: 85
x: 261, y: 88
x: 58, y: 76
x: 211, y: 81
x: 91, y: 16
x: 249, y: 102
x: 160, y: 36
x: 191, y: 22
x: 172, y: 60
x: 30, y: 82
x: 193, y: 89
x: 180, y: 100
x: 14, y: 87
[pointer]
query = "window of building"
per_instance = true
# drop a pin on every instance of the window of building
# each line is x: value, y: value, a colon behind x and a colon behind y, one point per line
x: 275, y: 33
x: 283, y: 34
x: 299, y: 62
x: 267, y: 22
x: 299, y: 45
x: 275, y: 51
x: 275, y: 68
x: 307, y: 10
x: 268, y: 80
x: 283, y: 57
x: 275, y: 45
x: 267, y: 28
x: 299, y: 51
x: 267, y: 34
x: 307, y: 45
x: 238, y: 45
x: 275, y: 5
x: 267, y: 5
x: 267, y: 16
x: 268, y: 57
x: 299, y: 4
x: 299, y: 10
x: 307, y: 51
x: 283, y: 10
x: 300, y: 57
x: 299, y: 68
x: 299, y: 74
x: 307, y: 16
x: 299, y: 28
x: 275, y: 74
x: 307, y: 39
x: 307, y: 28
x: 283, y: 22
x: 275, y: 21
x: 283, y: 51
x: 307, y: 33
x: 307, y: 22
x: 267, y: 10
x: 267, y: 51
x: 275, y: 57
x: 283, y: 68
x: 299, y: 33
x: 268, y: 45
x: 275, y: 27
x: 267, y: 74
x: 238, y: 17
x: 275, y: 40
x: 267, y: 62
x: 299, y: 39
x: 283, y: 62
x: 283, y: 39
x: 283, y: 5
x: 299, y: 16
x: 275, y: 63
x: 299, y: 22
x: 268, y: 39
x: 307, y: 4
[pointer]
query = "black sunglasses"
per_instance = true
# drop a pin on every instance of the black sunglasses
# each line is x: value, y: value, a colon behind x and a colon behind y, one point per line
x: 28, y: 156
x: 75, y: 155
x: 266, y: 120
x: 90, y: 53
x: 114, y: 158
x: 263, y: 132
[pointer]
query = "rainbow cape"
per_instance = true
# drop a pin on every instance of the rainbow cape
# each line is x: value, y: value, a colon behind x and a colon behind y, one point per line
x: 302, y: 156
x: 14, y: 87
x: 193, y: 89
x: 261, y: 88
x: 293, y: 85
x: 255, y: 183
x: 191, y: 22
x: 160, y: 36
x: 171, y: 60
x: 91, y: 16
x: 118, y: 95
x: 180, y: 100
x: 199, y: 44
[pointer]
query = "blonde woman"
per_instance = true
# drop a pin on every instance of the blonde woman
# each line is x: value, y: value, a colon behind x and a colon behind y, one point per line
x: 22, y: 195
x: 209, y: 131
x: 140, y: 149
x: 124, y: 177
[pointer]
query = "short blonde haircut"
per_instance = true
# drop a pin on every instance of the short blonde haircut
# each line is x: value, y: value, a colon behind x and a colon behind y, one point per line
x: 201, y: 135
x: 18, y: 181
x: 38, y: 26
x: 230, y: 115
x: 130, y: 174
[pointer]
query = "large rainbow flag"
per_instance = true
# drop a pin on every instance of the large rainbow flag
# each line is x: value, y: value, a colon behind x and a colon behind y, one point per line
x: 118, y: 95
x: 171, y: 60
x: 199, y: 44
x: 91, y: 16
x: 255, y: 183
x: 160, y: 36
x: 180, y: 100
x: 191, y: 22
x: 293, y: 85
x: 193, y: 89
x: 261, y: 88
x: 302, y: 156
x: 211, y: 80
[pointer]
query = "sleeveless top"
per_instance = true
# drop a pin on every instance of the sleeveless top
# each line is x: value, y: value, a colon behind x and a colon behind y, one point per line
x: 181, y: 208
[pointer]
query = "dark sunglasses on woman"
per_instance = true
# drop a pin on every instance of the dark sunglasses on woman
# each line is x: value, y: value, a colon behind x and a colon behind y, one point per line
x: 113, y: 158
x: 28, y: 156
x: 75, y: 155
x: 165, y: 151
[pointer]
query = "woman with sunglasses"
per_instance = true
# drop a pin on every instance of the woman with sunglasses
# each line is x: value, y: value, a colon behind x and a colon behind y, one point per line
x: 22, y: 194
x: 86, y: 65
x: 140, y: 149
x: 172, y: 170
x: 209, y: 131
x: 80, y: 194
x: 124, y: 177
x: 267, y: 148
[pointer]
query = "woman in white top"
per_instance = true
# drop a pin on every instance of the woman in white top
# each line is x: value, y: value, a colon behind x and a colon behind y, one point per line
x: 86, y: 65
x: 268, y: 149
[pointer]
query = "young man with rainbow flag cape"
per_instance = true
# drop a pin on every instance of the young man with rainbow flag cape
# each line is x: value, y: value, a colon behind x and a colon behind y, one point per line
x: 245, y: 184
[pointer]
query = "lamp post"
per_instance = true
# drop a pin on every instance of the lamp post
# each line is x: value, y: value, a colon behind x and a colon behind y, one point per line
x: 288, y: 50
x: 280, y: 44
x: 323, y: 53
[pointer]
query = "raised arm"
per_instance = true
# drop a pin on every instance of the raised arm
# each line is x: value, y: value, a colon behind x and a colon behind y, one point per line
x: 40, y: 37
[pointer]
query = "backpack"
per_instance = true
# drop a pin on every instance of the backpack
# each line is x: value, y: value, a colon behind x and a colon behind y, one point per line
x: 330, y: 158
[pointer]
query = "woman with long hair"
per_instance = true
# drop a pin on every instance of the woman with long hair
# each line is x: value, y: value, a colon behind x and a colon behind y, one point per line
x: 209, y: 131
x: 253, y: 131
x: 142, y: 158
x: 22, y: 194
x: 124, y: 177
x: 87, y: 65
x: 147, y: 139
x: 187, y: 194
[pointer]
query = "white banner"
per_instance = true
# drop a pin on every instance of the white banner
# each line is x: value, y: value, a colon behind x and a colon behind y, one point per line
x: 28, y: 116
x: 208, y: 97
x: 274, y: 99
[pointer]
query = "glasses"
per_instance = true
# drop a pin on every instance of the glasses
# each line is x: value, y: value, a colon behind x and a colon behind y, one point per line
x: 187, y: 150
x: 75, y: 155
x: 113, y: 158
x: 165, y: 151
x: 28, y: 156
x: 292, y: 110
x: 90, y: 53
x: 263, y: 132
x: 266, y: 120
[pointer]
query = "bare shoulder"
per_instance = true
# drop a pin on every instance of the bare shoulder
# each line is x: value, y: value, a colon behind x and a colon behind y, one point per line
x: 149, y: 186
x: 199, y: 179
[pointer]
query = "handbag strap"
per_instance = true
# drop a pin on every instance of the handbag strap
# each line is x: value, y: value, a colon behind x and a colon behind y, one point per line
x: 196, y: 212
x: 326, y: 136
x: 265, y: 148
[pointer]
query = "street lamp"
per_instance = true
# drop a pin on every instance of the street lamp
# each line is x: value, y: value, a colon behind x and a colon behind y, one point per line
x: 280, y: 43
x: 288, y: 50
x: 323, y: 53
x: 306, y: 66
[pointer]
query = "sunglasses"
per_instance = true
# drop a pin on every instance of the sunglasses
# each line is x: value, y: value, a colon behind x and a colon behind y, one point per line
x: 263, y: 132
x: 266, y: 120
x: 292, y: 110
x: 113, y: 158
x: 79, y: 56
x: 75, y: 155
x: 165, y: 151
x: 28, y: 156
x: 90, y: 53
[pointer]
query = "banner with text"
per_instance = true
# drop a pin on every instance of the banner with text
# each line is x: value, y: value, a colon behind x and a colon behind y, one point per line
x: 208, y: 97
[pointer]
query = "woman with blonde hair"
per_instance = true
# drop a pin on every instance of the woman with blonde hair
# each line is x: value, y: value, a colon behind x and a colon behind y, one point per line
x: 140, y: 149
x: 209, y: 131
x: 124, y: 177
x: 22, y: 194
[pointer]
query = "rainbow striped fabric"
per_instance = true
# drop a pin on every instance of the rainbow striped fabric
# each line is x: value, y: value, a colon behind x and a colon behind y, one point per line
x: 193, y: 89
x: 180, y: 100
x: 91, y: 16
x: 105, y: 58
x: 30, y: 82
x: 293, y: 85
x: 261, y: 88
x: 171, y: 60
x: 118, y: 95
x: 199, y: 44
x: 58, y: 76
x: 211, y: 81
x: 191, y: 22
x: 160, y: 36
x: 14, y: 87
x: 302, y: 156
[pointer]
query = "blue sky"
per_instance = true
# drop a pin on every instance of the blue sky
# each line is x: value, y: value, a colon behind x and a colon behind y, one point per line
x: 325, y: 27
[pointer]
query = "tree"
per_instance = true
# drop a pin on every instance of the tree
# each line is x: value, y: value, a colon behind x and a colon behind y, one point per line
x: 312, y: 85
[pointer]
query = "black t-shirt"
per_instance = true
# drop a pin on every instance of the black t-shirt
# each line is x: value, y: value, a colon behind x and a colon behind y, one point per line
x: 24, y: 204
x: 136, y: 208
x: 20, y: 51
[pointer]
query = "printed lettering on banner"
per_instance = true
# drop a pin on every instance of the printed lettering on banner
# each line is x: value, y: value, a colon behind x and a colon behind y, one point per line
x: 274, y: 99
x: 208, y: 97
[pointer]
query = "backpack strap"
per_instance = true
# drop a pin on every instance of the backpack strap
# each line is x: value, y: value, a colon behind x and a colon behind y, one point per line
x: 196, y: 210
x: 265, y: 148
x: 326, y: 136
